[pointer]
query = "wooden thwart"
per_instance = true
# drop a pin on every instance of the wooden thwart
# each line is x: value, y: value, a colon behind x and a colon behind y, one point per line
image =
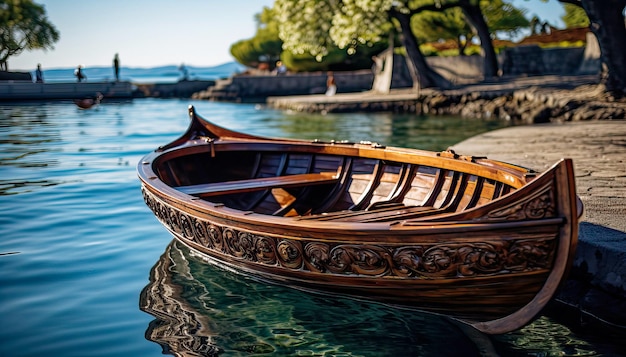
x: 256, y: 184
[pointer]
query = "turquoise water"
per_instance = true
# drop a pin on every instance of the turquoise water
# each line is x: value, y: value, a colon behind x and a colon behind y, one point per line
x: 86, y: 270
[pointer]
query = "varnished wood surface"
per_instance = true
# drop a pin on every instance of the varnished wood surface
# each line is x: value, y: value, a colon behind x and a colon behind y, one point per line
x: 242, y: 186
x: 479, y: 240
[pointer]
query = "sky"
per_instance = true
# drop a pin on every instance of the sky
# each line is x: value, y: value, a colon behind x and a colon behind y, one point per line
x: 145, y: 33
x: 150, y: 33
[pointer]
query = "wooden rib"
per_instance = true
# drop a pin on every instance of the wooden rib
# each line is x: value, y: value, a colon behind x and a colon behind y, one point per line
x: 450, y: 203
x: 404, y: 183
x: 367, y: 193
x: 170, y: 172
x: 363, y: 216
x: 257, y: 165
x: 303, y: 193
x: 497, y: 190
x: 335, y: 194
x: 452, y: 190
x: 402, y: 187
x: 279, y: 171
x: 478, y: 189
x: 431, y: 198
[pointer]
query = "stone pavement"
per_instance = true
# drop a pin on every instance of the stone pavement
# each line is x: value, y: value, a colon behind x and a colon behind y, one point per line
x: 597, y: 284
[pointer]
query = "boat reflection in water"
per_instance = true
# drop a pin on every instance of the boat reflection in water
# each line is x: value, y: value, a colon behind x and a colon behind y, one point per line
x: 203, y: 310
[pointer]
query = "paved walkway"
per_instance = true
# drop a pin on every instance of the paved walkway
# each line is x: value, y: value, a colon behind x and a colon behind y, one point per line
x: 397, y: 98
x: 598, y: 149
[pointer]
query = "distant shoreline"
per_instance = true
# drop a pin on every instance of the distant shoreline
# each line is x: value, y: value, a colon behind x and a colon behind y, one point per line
x: 141, y: 75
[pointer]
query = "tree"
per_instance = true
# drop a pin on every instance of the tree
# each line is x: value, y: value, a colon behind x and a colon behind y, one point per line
x: 265, y: 46
x: 473, y: 14
x: 316, y: 26
x: 607, y: 23
x: 23, y: 26
x: 575, y: 16
x: 313, y: 26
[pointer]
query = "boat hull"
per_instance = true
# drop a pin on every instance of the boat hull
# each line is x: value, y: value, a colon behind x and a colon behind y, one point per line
x: 475, y: 272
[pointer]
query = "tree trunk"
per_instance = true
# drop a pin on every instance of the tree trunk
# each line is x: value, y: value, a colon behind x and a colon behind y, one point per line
x: 461, y: 45
x: 475, y: 18
x: 427, y: 77
x: 607, y: 23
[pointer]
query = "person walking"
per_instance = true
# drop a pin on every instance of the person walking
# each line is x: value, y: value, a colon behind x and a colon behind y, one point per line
x: 116, y: 67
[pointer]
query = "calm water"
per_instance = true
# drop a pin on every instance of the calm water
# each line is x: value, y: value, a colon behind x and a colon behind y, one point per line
x: 86, y: 270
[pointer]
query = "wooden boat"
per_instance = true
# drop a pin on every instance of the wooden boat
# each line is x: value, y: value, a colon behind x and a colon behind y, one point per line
x: 482, y: 241
x: 86, y: 103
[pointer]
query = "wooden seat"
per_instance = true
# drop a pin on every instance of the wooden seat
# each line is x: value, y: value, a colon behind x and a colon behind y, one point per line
x: 256, y: 184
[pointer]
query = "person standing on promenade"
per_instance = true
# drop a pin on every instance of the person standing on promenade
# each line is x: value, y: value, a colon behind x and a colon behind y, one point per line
x: 281, y: 69
x: 331, y: 86
x: 79, y: 73
x: 116, y: 67
x: 38, y: 74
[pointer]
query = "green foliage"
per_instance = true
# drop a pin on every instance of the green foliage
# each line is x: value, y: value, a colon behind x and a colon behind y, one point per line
x: 504, y: 17
x: 265, y: 46
x: 429, y: 50
x: 575, y: 16
x: 563, y: 44
x: 311, y: 50
x: 24, y: 26
x: 337, y: 59
x: 441, y: 25
x: 450, y: 24
x: 305, y: 62
x: 315, y: 27
x: 304, y: 26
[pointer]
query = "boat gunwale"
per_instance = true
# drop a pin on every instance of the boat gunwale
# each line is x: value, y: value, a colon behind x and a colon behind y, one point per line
x: 217, y: 210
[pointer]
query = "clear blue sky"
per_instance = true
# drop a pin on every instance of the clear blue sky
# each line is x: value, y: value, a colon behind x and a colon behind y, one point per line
x: 148, y: 33
x: 145, y: 33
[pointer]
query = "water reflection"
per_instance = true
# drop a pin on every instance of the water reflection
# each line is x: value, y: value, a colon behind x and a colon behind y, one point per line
x: 403, y: 130
x: 201, y: 309
x: 24, y: 133
x: 26, y: 139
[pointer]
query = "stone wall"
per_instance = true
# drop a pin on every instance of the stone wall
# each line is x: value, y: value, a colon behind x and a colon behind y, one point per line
x: 518, y: 61
x: 35, y: 91
x: 301, y: 83
x: 533, y: 60
x: 15, y: 76
x: 180, y: 89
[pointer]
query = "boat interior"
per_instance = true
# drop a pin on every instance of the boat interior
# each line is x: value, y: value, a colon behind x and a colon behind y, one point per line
x: 325, y: 187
